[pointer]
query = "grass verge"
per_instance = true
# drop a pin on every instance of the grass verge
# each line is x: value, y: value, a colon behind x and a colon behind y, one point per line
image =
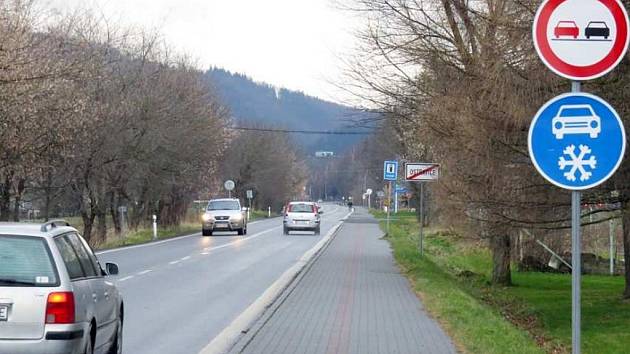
x: 146, y: 235
x: 474, y: 326
x: 537, y: 307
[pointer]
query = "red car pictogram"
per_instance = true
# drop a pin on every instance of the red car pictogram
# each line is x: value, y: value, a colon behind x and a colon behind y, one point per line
x: 566, y: 29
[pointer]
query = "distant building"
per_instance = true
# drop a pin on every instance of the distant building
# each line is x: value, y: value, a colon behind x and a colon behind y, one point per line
x: 324, y: 154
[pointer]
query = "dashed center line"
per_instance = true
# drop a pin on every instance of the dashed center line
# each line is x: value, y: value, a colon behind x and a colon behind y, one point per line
x: 174, y: 262
x: 185, y: 258
x: 145, y: 272
x: 125, y: 278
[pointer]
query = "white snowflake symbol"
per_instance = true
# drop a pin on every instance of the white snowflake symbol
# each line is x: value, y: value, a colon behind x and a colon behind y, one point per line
x: 577, y: 163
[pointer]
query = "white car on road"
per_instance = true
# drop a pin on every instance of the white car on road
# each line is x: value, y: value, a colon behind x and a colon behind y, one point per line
x: 302, y: 216
x: 224, y: 215
x: 576, y: 119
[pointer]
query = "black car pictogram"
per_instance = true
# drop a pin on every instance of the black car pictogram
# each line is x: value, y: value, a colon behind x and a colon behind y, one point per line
x: 597, y: 29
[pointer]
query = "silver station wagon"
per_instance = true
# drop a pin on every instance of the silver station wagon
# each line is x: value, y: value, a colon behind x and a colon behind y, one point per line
x: 54, y: 296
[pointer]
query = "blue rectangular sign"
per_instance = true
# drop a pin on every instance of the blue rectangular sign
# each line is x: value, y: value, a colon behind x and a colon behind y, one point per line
x: 390, y: 170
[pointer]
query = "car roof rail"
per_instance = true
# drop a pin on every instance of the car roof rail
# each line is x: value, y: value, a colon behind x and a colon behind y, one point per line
x: 49, y: 225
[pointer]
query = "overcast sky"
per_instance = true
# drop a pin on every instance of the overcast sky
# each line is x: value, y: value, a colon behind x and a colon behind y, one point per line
x: 290, y: 43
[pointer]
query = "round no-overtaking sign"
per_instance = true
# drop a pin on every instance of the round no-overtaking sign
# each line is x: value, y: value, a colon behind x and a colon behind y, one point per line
x: 581, y: 39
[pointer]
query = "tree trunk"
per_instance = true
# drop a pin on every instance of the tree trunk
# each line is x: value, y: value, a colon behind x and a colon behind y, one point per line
x: 101, y: 225
x: 100, y: 207
x: 501, y: 272
x: 113, y: 210
x: 88, y: 223
x: 47, y: 197
x: 5, y: 197
x: 625, y: 220
x: 138, y: 212
x: 18, y: 199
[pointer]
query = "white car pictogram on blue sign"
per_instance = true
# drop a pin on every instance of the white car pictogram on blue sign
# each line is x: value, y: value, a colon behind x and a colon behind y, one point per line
x: 576, y: 119
x: 576, y: 141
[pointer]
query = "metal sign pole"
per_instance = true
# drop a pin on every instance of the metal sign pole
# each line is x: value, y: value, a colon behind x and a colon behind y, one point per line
x: 576, y: 261
x: 421, y: 236
x: 611, y: 240
x: 389, y: 204
x: 576, y: 273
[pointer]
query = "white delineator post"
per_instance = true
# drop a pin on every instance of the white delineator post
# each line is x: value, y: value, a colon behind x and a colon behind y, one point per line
x: 269, y: 212
x: 155, y: 227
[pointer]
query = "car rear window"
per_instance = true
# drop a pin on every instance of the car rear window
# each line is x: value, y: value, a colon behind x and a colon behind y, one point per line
x: 301, y: 208
x: 26, y: 261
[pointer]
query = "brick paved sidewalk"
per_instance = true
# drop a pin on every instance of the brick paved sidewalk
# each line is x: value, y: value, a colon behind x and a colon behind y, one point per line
x: 352, y: 299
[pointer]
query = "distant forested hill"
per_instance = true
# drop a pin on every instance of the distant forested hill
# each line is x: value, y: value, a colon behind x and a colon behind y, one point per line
x: 253, y: 102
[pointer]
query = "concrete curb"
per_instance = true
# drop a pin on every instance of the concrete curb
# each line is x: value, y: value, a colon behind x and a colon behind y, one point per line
x: 230, y: 335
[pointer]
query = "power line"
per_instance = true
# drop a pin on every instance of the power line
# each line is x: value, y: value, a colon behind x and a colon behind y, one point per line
x: 289, y: 131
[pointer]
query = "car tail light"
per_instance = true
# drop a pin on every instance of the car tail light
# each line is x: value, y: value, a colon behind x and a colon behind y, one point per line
x: 60, y: 308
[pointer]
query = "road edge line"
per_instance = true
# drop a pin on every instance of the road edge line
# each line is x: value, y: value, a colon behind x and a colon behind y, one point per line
x: 159, y: 242
x: 230, y: 335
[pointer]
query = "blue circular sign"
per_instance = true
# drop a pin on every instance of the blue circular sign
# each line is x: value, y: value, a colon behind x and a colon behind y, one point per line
x: 576, y: 141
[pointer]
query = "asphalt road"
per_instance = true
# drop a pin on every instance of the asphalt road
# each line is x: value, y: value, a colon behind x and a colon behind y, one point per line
x: 179, y: 294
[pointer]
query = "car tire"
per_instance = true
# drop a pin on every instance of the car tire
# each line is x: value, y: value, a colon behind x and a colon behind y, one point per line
x: 116, y: 347
x: 285, y: 230
x: 241, y: 231
x: 206, y: 232
x: 245, y: 231
x: 317, y: 231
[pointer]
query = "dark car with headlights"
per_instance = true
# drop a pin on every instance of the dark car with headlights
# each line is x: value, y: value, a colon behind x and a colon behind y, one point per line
x: 224, y: 215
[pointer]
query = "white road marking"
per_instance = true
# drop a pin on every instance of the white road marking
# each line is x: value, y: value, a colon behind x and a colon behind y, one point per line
x: 173, y: 262
x: 185, y: 258
x: 205, y: 253
x: 145, y: 272
x: 125, y: 278
x: 168, y: 240
x: 240, y: 240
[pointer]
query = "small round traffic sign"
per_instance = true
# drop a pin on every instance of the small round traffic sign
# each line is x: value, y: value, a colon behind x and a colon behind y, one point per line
x: 581, y: 39
x: 576, y: 141
x: 229, y: 185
